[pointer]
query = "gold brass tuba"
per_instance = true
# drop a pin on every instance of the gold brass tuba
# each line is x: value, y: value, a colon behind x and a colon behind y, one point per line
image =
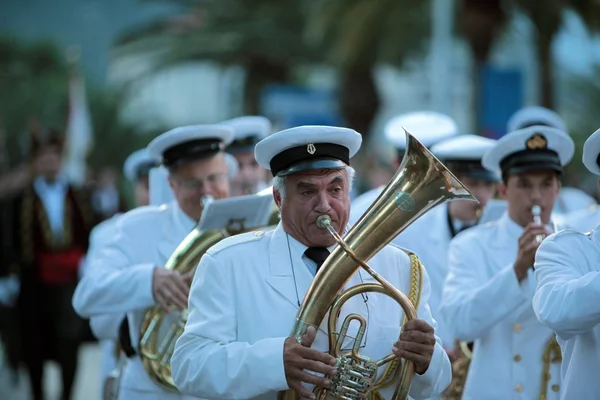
x: 421, y: 183
x: 159, y: 331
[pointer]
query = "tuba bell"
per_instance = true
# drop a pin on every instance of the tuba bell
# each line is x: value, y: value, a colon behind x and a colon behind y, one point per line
x: 160, y: 330
x: 421, y: 183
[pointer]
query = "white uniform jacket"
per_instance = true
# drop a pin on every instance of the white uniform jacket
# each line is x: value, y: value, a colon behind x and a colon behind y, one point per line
x: 119, y: 278
x: 104, y: 327
x: 243, y: 304
x: 484, y: 302
x: 567, y: 269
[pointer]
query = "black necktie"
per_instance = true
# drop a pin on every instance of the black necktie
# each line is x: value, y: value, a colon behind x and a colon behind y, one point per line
x: 317, y: 254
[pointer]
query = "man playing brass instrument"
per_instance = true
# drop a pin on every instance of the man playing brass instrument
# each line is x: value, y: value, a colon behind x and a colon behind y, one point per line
x: 568, y: 293
x: 127, y: 276
x: 490, y: 284
x: 248, y: 288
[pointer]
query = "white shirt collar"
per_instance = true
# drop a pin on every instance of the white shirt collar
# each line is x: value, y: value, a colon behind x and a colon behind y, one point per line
x: 296, y: 247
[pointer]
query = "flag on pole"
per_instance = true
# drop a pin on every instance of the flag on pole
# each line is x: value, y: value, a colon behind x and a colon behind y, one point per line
x: 79, y: 136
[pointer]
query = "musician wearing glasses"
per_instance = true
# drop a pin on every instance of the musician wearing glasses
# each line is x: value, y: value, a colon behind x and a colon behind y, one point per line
x: 248, y: 130
x: 567, y: 270
x: 490, y: 285
x: 248, y: 289
x: 127, y: 276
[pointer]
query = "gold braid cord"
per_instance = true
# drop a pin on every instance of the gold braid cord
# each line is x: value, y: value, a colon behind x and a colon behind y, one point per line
x: 552, y: 355
x: 416, y: 284
x: 460, y: 368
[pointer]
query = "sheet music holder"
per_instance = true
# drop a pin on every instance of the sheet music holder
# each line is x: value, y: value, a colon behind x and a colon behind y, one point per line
x: 241, y: 212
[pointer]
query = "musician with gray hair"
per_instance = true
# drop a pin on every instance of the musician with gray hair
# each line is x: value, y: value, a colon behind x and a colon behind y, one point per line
x: 248, y: 289
x: 566, y: 301
x: 128, y: 274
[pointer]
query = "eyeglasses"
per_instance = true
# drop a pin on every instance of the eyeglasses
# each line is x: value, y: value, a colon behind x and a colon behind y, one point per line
x: 197, y: 184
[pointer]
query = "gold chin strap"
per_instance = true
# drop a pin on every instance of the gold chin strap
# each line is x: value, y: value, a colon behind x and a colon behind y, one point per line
x: 390, y: 374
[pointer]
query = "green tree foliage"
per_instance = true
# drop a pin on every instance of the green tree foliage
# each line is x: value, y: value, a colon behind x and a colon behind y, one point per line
x: 33, y: 83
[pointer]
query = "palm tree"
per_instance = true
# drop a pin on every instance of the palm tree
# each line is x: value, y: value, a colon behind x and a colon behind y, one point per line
x: 356, y: 35
x: 262, y: 36
x: 33, y: 79
x: 481, y: 23
x: 547, y: 16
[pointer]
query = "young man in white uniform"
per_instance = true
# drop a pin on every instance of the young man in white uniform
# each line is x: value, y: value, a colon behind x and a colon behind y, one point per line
x: 567, y: 270
x: 427, y: 126
x: 429, y: 236
x: 248, y: 131
x: 248, y: 288
x: 128, y: 275
x: 490, y: 285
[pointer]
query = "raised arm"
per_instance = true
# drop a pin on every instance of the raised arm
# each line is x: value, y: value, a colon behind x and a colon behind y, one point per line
x: 568, y: 285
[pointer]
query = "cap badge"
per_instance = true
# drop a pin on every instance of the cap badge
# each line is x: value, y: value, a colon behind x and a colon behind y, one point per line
x: 310, y: 148
x: 537, y: 141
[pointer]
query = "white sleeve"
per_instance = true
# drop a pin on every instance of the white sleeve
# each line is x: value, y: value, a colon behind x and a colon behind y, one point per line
x: 106, y: 327
x: 208, y: 361
x: 567, y: 299
x: 472, y: 303
x: 439, y: 374
x: 114, y: 282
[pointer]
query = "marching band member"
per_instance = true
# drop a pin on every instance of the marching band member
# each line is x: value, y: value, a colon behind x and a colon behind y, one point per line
x: 567, y: 270
x: 127, y: 276
x: 570, y: 199
x: 51, y: 225
x: 248, y: 131
x: 106, y: 327
x: 247, y: 289
x: 430, y: 235
x: 427, y: 126
x: 490, y: 284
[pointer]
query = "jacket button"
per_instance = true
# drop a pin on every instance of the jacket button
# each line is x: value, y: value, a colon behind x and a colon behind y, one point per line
x: 555, y: 388
x: 517, y: 358
x: 519, y: 388
x: 517, y: 328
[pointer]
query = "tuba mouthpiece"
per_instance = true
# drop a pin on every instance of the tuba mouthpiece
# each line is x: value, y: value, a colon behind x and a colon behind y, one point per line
x: 323, y: 221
